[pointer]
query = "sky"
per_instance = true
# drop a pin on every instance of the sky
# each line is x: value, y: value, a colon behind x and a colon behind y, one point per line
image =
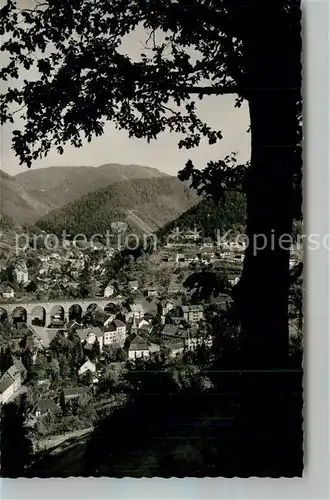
x: 114, y: 146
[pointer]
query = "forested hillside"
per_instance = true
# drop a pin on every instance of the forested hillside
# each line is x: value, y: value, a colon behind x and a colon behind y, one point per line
x: 144, y: 204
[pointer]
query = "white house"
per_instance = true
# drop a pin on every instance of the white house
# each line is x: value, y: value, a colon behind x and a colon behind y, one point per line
x: 7, y: 292
x: 193, y: 313
x: 138, y: 348
x: 21, y: 273
x: 11, y: 381
x: 207, y: 254
x: 6, y: 390
x: 90, y: 335
x: 115, y: 333
x: 88, y: 366
x: 109, y: 290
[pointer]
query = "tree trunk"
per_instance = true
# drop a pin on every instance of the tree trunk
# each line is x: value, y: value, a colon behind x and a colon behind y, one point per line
x: 264, y: 285
x: 272, y: 46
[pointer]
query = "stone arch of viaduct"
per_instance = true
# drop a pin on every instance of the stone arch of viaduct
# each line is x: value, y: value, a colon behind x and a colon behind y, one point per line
x: 49, y: 306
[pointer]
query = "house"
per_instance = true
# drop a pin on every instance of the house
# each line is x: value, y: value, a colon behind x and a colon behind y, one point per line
x: 152, y: 292
x: 115, y: 333
x: 13, y: 373
x: 46, y: 407
x: 138, y: 348
x: 133, y: 285
x: 136, y: 311
x: 180, y: 257
x: 207, y: 254
x: 192, y: 339
x: 166, y: 307
x: 7, y: 292
x: 21, y: 273
x: 90, y: 335
x: 6, y: 390
x: 109, y: 290
x: 88, y: 366
x: 142, y: 323
x: 170, y: 331
x: 176, y: 320
x: 176, y: 288
x: 73, y: 393
x: 191, y: 256
x: 193, y: 313
x: 145, y: 329
x: 207, y: 242
x: 175, y: 346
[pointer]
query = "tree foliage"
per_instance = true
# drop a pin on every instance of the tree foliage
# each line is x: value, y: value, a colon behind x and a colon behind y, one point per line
x: 250, y: 49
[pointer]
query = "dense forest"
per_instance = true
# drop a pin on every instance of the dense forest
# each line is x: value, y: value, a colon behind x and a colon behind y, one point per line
x: 209, y: 215
x: 153, y: 202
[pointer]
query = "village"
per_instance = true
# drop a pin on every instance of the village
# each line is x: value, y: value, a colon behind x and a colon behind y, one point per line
x: 73, y: 325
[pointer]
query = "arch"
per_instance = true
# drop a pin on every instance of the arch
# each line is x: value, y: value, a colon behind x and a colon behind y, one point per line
x: 111, y: 307
x: 3, y: 315
x: 75, y: 312
x: 92, y: 307
x: 38, y: 316
x: 57, y: 316
x: 19, y: 315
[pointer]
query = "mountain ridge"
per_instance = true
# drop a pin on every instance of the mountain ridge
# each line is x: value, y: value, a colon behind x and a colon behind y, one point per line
x: 27, y: 196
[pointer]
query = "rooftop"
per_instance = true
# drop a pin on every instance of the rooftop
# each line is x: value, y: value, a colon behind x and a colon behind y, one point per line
x: 75, y: 391
x: 45, y: 405
x: 171, y: 330
x: 193, y: 308
x: 118, y: 323
x: 138, y: 344
x: 4, y: 384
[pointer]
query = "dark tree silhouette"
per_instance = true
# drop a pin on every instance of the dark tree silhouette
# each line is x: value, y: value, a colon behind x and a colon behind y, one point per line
x: 250, y: 49
x: 16, y: 447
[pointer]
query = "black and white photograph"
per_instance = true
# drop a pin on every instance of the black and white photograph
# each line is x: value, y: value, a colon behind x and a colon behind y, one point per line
x: 152, y: 239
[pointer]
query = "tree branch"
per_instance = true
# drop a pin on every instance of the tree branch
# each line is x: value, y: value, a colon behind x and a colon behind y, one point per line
x: 206, y: 90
